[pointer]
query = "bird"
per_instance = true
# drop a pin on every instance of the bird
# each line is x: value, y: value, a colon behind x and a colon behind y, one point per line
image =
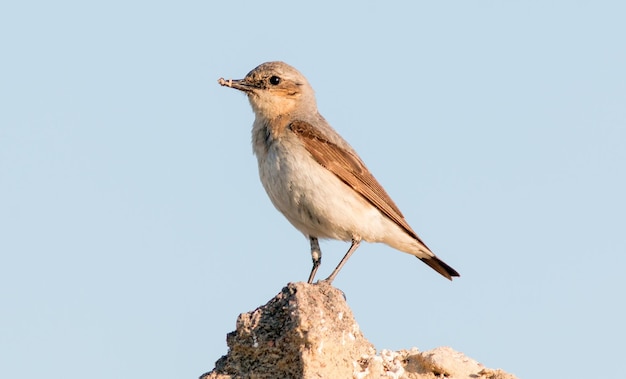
x: 314, y: 177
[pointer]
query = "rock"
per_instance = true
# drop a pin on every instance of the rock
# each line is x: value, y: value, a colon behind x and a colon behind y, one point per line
x: 442, y: 362
x: 308, y: 331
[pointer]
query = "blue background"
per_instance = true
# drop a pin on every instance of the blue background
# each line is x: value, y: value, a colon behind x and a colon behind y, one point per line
x: 134, y: 229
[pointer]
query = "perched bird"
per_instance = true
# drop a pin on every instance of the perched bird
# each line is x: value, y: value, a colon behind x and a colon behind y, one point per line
x: 313, y: 176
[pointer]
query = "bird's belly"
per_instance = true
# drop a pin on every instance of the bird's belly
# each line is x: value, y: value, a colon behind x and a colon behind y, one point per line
x: 314, y: 200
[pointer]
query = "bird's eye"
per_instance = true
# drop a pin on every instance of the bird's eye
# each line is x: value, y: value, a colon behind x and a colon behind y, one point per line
x: 274, y: 80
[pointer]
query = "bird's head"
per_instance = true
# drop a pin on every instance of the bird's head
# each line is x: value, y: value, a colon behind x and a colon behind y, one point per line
x: 275, y: 89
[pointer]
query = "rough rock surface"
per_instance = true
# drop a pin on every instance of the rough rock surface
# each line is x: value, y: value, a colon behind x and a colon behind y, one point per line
x: 308, y: 331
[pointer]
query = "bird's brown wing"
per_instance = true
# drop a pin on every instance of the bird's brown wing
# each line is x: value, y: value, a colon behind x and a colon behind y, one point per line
x: 349, y: 168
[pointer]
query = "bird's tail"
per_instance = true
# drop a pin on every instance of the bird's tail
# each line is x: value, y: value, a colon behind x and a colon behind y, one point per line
x: 413, y: 245
x: 439, y: 266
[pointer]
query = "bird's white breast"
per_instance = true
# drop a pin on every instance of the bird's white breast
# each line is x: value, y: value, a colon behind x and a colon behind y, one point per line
x: 312, y: 198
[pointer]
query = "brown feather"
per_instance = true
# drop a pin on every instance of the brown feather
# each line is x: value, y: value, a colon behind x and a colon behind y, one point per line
x: 440, y: 266
x: 350, y: 169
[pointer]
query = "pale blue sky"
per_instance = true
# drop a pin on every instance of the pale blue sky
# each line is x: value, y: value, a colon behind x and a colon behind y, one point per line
x: 134, y: 230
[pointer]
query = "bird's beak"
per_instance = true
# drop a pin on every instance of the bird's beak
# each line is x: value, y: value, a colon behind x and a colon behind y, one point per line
x: 239, y: 84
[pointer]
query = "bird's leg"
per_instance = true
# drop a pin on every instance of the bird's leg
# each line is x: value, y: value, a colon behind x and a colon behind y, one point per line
x: 356, y: 241
x: 316, y: 255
